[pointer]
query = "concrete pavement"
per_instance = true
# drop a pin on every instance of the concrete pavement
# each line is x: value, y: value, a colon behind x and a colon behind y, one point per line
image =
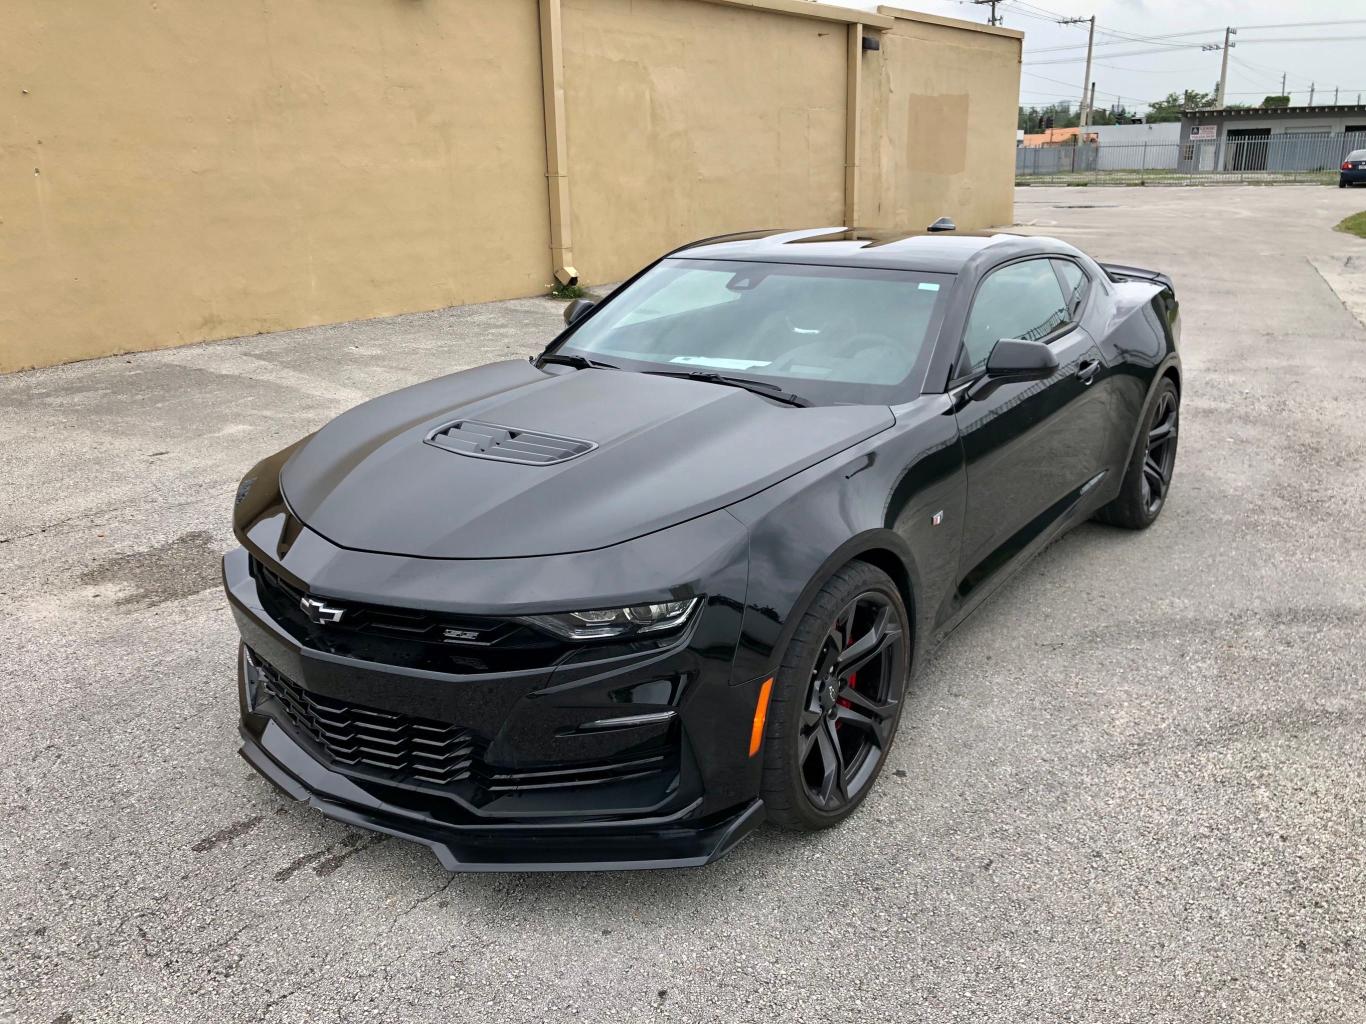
x: 1129, y: 788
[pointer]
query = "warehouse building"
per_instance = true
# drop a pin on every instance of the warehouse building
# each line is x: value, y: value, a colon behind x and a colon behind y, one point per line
x: 242, y: 168
x: 1313, y: 138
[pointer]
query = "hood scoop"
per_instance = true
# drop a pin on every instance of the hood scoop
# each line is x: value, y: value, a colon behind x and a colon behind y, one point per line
x: 506, y: 444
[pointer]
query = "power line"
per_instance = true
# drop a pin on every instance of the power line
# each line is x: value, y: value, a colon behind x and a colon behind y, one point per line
x: 1068, y: 96
x: 1024, y: 7
x: 1308, y: 39
x: 1059, y: 81
x: 1307, y: 24
x: 1256, y: 74
x: 1140, y: 53
x: 1264, y: 92
x: 1121, y: 36
x: 1153, y: 71
x: 1271, y: 70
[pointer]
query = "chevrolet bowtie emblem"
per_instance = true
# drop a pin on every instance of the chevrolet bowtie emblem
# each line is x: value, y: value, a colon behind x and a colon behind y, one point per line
x: 320, y: 611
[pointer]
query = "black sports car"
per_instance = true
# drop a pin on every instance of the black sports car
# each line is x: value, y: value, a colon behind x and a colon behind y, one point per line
x: 614, y: 606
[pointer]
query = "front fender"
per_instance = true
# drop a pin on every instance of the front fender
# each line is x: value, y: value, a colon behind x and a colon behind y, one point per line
x: 1169, y: 367
x: 896, y: 500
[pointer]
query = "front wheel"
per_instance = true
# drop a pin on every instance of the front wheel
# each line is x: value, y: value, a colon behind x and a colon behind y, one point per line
x: 836, y: 701
x: 1148, y: 476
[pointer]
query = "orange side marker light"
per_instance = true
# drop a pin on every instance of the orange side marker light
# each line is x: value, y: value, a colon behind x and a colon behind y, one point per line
x: 756, y: 735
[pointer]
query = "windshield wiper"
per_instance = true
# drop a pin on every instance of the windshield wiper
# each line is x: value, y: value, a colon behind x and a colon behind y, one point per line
x: 758, y: 387
x: 578, y: 362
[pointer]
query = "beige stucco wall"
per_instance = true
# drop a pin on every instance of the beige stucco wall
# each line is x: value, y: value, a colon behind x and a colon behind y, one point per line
x: 178, y: 171
x: 939, y: 115
x: 691, y: 119
x: 181, y: 170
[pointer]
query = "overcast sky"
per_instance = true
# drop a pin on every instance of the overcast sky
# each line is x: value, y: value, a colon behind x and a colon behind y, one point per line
x: 1338, y: 59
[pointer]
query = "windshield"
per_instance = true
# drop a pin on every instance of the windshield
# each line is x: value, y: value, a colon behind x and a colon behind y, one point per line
x: 831, y: 334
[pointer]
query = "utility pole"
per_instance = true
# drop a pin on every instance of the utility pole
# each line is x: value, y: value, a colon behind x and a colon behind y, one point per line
x: 1090, y: 108
x: 1335, y: 95
x: 1223, y: 71
x: 1311, y: 94
x: 1283, y: 83
x: 994, y: 18
x: 1086, y: 107
x: 1086, y: 84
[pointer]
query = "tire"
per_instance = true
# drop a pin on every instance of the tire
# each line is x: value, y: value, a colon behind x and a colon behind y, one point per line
x: 821, y: 713
x: 1147, y: 479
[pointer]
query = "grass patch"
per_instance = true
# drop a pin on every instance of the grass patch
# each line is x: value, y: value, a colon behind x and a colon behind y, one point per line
x: 1354, y: 225
x: 568, y: 291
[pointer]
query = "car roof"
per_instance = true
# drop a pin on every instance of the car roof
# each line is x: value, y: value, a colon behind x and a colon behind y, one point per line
x: 933, y: 251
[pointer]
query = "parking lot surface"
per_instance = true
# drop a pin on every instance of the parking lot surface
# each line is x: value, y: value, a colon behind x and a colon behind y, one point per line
x: 1130, y: 788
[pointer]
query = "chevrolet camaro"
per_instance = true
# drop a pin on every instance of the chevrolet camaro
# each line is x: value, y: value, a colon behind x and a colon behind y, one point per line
x: 616, y: 605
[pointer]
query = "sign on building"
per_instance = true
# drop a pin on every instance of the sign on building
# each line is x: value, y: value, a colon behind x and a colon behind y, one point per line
x: 1204, y: 132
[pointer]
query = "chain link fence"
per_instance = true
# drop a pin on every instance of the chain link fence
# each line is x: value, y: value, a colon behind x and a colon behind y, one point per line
x: 1243, y: 159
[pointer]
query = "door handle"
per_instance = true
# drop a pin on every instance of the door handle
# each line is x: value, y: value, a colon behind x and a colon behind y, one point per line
x: 1087, y: 370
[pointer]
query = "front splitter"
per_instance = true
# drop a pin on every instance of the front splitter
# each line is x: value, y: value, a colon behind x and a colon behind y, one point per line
x: 580, y: 846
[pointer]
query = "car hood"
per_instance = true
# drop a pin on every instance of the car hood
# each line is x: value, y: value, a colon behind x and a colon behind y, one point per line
x: 667, y: 450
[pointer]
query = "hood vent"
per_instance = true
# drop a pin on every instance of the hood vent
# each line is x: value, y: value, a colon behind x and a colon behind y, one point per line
x: 506, y: 444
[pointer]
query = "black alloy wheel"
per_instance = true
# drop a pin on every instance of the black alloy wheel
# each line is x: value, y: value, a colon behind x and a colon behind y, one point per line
x: 847, y: 721
x: 839, y: 700
x: 1160, y: 457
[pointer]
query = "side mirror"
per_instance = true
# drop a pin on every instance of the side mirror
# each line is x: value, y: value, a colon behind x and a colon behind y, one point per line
x: 576, y: 309
x: 1013, y: 361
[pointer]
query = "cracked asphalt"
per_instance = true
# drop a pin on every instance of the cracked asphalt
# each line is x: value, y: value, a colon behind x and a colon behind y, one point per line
x: 1130, y: 788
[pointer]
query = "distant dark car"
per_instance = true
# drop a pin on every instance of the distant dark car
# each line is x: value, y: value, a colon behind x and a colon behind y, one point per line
x: 1353, y: 169
x: 613, y: 606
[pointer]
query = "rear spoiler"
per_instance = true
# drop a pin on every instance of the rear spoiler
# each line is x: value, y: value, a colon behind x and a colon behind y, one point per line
x: 1119, y: 272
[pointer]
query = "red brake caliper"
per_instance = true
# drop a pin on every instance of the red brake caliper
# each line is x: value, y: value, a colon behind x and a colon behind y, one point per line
x: 853, y: 680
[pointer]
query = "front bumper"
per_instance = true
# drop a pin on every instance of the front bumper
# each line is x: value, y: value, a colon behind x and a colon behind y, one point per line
x: 539, y: 792
x: 605, y: 846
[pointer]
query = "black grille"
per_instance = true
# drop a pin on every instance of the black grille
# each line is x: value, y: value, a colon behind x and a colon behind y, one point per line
x: 506, y: 444
x: 401, y: 749
x: 407, y: 636
x: 402, y: 746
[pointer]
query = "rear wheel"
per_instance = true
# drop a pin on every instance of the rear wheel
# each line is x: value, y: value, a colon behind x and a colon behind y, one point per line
x: 836, y: 701
x: 1148, y: 477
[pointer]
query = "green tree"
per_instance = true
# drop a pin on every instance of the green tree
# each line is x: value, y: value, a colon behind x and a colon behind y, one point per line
x: 1035, y: 119
x: 1170, y: 107
x: 1276, y: 101
x: 1119, y: 116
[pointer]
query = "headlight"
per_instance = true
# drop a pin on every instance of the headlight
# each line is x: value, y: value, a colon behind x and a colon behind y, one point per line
x: 616, y: 622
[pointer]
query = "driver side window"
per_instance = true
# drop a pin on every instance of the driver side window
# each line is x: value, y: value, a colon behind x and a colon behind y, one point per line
x: 1023, y: 300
